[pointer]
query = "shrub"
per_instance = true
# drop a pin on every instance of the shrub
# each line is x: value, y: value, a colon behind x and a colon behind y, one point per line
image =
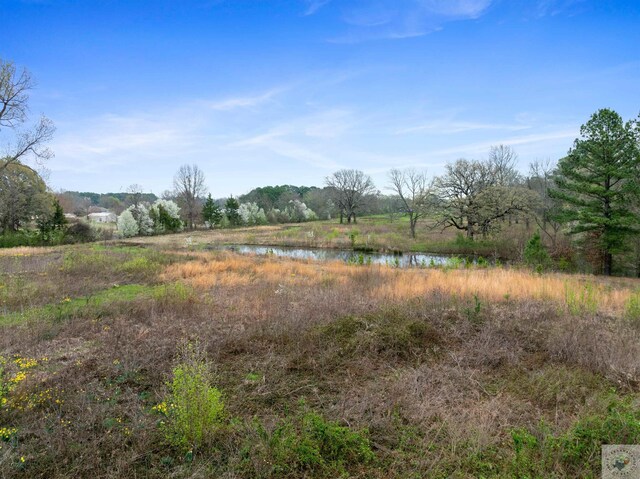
x: 194, y: 409
x: 165, y: 215
x: 535, y: 253
x: 127, y: 224
x: 306, y: 441
x: 79, y: 232
x: 19, y: 238
x: 577, y: 451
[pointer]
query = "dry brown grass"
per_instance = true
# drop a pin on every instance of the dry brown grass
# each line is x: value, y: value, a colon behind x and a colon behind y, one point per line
x: 495, y: 285
x: 404, y: 353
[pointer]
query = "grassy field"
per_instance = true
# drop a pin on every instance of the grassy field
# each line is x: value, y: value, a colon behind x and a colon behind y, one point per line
x: 164, y: 360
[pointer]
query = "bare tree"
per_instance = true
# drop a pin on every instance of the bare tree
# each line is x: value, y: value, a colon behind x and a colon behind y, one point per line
x: 540, y: 180
x: 134, y: 195
x: 350, y: 189
x: 13, y: 95
x: 473, y: 199
x: 189, y: 188
x: 459, y: 189
x: 14, y: 89
x: 503, y: 161
x: 414, y: 190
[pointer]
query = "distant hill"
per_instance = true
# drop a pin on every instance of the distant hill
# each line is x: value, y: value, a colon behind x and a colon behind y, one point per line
x: 96, y: 198
x: 79, y: 202
x: 278, y: 196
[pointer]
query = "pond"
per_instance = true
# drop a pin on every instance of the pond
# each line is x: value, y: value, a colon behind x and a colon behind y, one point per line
x: 406, y: 260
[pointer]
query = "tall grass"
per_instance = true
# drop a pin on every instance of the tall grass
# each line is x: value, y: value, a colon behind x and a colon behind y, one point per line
x: 578, y: 294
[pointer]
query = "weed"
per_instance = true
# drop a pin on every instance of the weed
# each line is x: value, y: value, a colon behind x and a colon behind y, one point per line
x: 632, y: 307
x: 482, y: 262
x: 353, y: 235
x: 194, y: 409
x: 577, y: 451
x: 454, y: 262
x: 580, y: 300
x: 473, y: 313
x: 305, y: 441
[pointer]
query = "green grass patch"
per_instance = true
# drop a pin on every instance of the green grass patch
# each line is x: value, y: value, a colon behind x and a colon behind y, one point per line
x: 304, y: 443
x: 386, y: 333
x: 540, y: 453
x: 99, y: 303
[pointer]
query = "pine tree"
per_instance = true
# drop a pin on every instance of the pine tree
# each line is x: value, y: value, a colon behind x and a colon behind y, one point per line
x: 58, y: 219
x: 211, y: 212
x: 231, y: 208
x: 535, y: 253
x: 598, y: 181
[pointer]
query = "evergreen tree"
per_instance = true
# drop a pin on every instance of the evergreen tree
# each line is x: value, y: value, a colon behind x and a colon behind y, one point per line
x: 231, y: 208
x: 598, y: 181
x: 535, y: 253
x: 58, y: 219
x: 211, y: 212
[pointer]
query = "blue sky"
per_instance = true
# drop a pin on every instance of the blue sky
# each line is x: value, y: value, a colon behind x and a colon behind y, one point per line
x: 265, y: 92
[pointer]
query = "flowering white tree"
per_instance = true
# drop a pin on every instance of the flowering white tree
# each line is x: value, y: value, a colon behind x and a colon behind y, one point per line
x: 141, y: 214
x: 165, y: 215
x: 299, y: 212
x: 251, y: 214
x: 127, y: 224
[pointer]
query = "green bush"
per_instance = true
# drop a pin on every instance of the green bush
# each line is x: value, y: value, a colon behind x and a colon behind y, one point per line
x: 79, y: 232
x: 576, y: 453
x: 20, y: 238
x: 535, y: 253
x: 305, y: 441
x: 194, y: 409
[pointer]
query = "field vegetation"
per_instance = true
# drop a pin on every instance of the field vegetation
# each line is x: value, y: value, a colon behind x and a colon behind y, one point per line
x: 372, y: 233
x: 164, y: 359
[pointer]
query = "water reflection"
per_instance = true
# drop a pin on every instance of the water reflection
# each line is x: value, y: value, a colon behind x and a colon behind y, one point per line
x: 406, y: 260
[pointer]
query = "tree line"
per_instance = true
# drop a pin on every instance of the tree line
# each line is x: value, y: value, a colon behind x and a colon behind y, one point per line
x: 592, y: 194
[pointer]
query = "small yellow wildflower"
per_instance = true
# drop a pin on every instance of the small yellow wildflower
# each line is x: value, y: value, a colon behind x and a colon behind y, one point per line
x: 161, y: 408
x: 20, y: 376
x: 25, y: 363
x: 7, y: 432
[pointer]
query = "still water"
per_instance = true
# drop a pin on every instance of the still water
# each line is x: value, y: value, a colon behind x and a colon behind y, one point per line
x: 406, y: 260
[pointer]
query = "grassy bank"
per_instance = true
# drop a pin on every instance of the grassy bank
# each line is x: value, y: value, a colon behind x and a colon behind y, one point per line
x: 168, y: 361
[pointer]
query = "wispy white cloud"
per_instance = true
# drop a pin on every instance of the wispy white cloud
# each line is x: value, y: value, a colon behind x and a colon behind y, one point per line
x: 395, y: 19
x: 556, y: 7
x: 243, y: 101
x: 456, y: 8
x: 108, y: 140
x: 450, y: 127
x: 307, y: 138
x: 314, y: 5
x: 480, y: 148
